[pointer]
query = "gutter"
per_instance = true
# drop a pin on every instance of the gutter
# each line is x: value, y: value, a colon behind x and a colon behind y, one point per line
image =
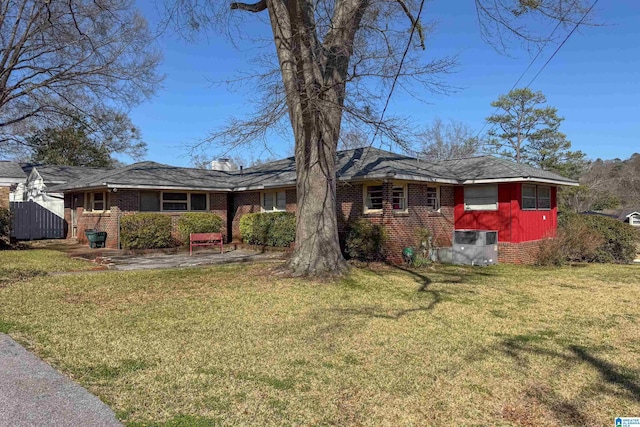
x: 520, y: 179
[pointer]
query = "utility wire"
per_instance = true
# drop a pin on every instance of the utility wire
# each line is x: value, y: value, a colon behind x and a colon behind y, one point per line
x: 395, y: 79
x: 540, y: 51
x: 563, y: 42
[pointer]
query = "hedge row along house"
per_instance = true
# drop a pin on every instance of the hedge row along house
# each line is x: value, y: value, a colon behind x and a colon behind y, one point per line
x: 400, y: 192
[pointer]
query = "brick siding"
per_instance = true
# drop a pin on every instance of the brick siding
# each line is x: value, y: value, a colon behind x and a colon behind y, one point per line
x: 518, y: 253
x: 401, y: 226
x: 123, y: 203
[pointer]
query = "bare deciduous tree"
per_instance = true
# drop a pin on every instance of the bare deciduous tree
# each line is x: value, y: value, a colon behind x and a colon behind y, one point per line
x: 452, y: 140
x: 71, y: 58
x: 338, y: 62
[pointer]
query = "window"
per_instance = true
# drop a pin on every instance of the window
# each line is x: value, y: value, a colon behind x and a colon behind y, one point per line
x: 481, y: 198
x: 528, y: 197
x: 274, y: 201
x: 97, y: 202
x: 544, y: 197
x: 149, y: 201
x: 634, y: 220
x: 155, y: 201
x: 432, y: 198
x: 373, y: 198
x: 399, y: 197
x: 198, y: 202
x: 175, y: 202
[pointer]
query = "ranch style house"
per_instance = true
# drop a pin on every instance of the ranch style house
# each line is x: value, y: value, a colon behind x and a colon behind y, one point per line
x: 401, y: 192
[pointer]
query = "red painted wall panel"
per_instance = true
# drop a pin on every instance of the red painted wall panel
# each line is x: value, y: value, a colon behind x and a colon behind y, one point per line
x: 512, y: 224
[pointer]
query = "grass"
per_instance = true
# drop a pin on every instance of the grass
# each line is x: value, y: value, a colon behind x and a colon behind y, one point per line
x: 18, y: 265
x: 236, y: 345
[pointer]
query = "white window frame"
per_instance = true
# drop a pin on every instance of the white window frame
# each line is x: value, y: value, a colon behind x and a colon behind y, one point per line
x: 90, y: 202
x: 188, y: 201
x: 538, y: 198
x: 436, y: 206
x: 365, y: 195
x: 634, y: 220
x: 529, y: 198
x: 404, y: 198
x: 480, y: 206
x: 274, y: 199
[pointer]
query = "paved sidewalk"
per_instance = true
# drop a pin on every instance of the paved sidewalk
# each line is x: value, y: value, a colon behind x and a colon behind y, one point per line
x: 32, y: 393
x: 182, y: 259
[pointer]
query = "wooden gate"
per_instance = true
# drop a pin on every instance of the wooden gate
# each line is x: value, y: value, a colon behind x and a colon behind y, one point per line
x: 30, y: 221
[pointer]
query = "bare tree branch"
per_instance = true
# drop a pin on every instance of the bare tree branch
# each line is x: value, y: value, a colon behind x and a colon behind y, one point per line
x: 254, y: 7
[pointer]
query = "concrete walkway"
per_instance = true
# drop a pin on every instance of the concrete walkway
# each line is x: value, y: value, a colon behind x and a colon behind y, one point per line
x: 32, y: 393
x: 182, y: 259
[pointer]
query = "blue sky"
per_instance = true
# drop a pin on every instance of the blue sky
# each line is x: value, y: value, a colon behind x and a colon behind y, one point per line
x: 594, y: 81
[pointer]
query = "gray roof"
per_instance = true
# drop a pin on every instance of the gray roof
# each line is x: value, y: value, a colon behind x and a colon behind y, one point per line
x: 154, y: 175
x: 54, y: 174
x: 352, y: 165
x: 11, y: 172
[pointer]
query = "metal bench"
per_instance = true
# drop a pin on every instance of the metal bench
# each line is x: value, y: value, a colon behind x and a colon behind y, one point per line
x: 205, y: 239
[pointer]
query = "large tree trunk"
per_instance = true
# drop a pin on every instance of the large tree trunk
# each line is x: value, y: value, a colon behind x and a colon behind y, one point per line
x: 314, y: 77
x: 317, y: 249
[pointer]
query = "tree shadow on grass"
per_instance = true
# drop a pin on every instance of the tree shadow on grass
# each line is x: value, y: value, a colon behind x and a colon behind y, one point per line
x: 625, y: 382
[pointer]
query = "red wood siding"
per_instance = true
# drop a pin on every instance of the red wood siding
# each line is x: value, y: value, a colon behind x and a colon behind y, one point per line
x: 510, y: 221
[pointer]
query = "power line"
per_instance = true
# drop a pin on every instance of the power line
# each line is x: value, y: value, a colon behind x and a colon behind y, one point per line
x: 552, y: 55
x: 563, y: 42
x: 395, y: 79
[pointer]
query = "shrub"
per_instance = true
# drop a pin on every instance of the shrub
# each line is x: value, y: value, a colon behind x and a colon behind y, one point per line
x: 5, y: 225
x: 198, y: 222
x: 268, y: 229
x: 589, y: 238
x: 365, y: 241
x: 146, y: 231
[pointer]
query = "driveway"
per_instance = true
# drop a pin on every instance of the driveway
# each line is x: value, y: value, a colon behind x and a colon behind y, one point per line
x: 32, y: 393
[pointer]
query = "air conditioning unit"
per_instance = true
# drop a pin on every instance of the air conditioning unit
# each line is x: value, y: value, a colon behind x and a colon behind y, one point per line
x: 475, y: 247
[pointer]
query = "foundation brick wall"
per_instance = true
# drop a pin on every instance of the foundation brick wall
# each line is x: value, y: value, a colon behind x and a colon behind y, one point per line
x: 4, y: 197
x: 518, y: 253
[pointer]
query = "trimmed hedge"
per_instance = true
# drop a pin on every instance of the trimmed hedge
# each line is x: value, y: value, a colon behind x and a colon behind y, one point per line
x: 5, y: 225
x: 268, y: 229
x: 146, y: 231
x: 366, y: 241
x: 198, y: 222
x: 590, y: 238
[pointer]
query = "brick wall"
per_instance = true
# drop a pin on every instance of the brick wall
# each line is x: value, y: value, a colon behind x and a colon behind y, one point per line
x: 402, y: 227
x: 4, y: 197
x: 243, y: 203
x: 123, y: 203
x: 518, y: 253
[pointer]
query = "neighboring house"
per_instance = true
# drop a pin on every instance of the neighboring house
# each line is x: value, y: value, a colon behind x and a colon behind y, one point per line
x: 11, y: 175
x: 41, y: 177
x: 631, y: 216
x: 400, y: 192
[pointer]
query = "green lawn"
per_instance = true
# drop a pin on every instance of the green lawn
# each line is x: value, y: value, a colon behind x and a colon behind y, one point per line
x: 22, y: 264
x: 237, y: 345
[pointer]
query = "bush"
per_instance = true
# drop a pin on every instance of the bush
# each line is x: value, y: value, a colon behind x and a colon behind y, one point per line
x: 198, y: 222
x: 366, y: 241
x: 276, y: 229
x: 590, y: 238
x: 5, y: 225
x: 146, y: 231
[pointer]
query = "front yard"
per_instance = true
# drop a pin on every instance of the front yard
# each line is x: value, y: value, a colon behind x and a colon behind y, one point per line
x: 237, y: 345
